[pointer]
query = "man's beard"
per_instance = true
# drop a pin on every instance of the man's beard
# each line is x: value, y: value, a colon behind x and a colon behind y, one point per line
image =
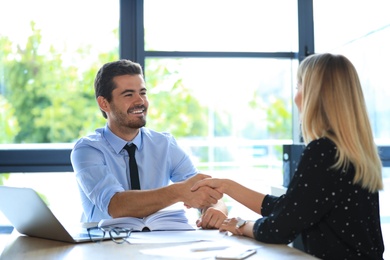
x: 136, y: 123
x: 123, y: 120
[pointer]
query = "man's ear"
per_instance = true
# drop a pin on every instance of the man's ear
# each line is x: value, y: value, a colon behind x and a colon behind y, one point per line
x: 103, y: 104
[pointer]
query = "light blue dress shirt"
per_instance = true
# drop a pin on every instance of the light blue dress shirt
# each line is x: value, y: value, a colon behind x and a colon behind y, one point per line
x: 101, y: 167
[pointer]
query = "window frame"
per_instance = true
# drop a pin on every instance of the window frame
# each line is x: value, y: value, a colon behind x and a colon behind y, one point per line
x: 52, y: 158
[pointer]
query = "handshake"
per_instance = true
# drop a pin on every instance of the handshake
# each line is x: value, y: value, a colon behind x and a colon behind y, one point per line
x: 206, y: 194
x: 202, y: 191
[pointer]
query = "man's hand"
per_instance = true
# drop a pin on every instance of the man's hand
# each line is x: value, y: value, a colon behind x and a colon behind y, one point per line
x: 203, y: 197
x: 211, y: 218
x: 220, y: 185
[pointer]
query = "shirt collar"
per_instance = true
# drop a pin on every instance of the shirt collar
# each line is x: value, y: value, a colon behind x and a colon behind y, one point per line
x: 118, y: 143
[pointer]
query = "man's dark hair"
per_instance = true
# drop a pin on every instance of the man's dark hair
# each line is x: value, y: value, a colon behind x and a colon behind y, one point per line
x: 104, y: 84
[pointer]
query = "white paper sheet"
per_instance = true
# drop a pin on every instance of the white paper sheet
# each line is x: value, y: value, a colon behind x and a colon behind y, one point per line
x: 157, y: 237
x: 187, y: 251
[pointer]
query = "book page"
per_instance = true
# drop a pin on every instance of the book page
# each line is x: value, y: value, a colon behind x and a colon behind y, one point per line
x: 165, y: 219
x: 137, y: 224
x: 168, y: 219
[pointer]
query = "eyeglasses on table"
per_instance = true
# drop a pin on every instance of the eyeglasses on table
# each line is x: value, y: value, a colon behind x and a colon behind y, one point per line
x: 117, y: 234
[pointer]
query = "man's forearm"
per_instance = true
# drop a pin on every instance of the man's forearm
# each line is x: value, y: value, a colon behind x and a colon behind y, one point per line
x: 142, y: 203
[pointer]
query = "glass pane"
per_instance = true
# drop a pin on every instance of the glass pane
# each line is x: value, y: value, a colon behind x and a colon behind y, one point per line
x: 50, y: 52
x: 360, y: 30
x: 221, y: 25
x: 229, y: 114
x: 340, y: 23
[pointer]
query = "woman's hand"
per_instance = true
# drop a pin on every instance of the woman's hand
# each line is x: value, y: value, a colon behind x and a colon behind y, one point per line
x: 220, y: 185
x: 230, y: 225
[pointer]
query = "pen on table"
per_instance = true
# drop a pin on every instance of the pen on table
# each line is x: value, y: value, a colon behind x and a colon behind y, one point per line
x: 208, y: 248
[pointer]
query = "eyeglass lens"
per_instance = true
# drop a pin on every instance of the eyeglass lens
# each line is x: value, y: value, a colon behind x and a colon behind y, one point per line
x: 118, y: 235
x: 96, y: 234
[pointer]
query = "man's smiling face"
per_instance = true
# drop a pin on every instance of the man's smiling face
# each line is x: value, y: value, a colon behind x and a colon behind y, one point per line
x: 129, y: 104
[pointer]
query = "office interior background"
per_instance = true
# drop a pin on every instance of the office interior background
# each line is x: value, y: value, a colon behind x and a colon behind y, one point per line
x: 221, y: 77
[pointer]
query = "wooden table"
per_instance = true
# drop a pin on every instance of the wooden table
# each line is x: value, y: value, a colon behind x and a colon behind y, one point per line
x: 16, y: 246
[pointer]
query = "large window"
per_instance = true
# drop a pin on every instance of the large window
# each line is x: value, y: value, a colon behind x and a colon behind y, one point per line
x: 220, y: 75
x: 219, y: 79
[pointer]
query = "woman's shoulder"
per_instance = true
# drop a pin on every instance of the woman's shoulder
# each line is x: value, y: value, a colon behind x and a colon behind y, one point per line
x: 321, y: 143
x: 322, y: 147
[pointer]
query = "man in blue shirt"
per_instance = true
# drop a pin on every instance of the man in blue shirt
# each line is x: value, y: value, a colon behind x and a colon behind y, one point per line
x: 101, y: 162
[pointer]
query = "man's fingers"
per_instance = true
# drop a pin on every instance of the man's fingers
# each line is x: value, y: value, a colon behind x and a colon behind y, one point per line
x: 211, y: 218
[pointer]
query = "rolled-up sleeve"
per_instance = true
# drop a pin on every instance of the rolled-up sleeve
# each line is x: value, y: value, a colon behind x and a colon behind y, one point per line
x: 94, y: 178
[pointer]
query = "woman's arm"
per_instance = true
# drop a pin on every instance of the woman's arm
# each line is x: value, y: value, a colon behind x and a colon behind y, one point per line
x: 249, y: 198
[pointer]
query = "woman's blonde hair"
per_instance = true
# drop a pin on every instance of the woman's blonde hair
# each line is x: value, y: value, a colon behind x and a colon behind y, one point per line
x: 333, y: 106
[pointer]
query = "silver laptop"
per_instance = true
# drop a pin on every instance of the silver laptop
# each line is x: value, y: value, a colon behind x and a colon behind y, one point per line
x: 29, y: 215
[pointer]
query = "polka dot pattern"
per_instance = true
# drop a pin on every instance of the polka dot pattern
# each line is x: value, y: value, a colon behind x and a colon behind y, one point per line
x: 336, y: 218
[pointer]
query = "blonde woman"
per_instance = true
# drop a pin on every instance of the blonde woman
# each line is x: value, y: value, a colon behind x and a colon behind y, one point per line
x: 332, y: 200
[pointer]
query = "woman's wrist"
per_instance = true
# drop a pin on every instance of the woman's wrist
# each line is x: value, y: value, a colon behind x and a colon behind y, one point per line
x: 228, y: 186
x: 245, y: 228
x: 240, y: 226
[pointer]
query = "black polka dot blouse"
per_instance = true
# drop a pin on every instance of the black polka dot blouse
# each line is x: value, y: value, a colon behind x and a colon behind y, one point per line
x: 336, y: 218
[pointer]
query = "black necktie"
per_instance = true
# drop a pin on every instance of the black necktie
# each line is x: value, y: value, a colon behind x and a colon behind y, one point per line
x: 134, y: 178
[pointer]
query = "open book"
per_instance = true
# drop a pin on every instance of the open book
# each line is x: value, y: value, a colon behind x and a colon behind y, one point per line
x: 165, y: 219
